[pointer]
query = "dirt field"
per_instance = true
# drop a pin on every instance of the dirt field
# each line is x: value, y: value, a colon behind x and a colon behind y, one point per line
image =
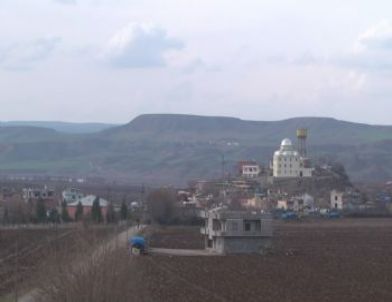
x: 24, y: 253
x: 342, y: 260
x: 175, y: 237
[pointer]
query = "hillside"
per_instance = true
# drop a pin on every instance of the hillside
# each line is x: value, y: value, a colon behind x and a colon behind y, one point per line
x: 61, y: 126
x: 173, y: 127
x: 173, y: 149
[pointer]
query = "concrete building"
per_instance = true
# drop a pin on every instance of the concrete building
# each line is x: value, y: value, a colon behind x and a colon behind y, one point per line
x: 72, y: 195
x: 34, y: 194
x: 304, y: 203
x: 288, y: 163
x: 249, y: 169
x: 236, y: 232
x: 336, y: 201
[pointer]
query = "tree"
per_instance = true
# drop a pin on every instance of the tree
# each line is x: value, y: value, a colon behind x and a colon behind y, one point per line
x: 64, y: 212
x: 161, y: 206
x: 40, y: 211
x: 124, y: 211
x: 53, y: 216
x: 79, y: 212
x: 6, y: 218
x: 110, y: 215
x: 96, y: 212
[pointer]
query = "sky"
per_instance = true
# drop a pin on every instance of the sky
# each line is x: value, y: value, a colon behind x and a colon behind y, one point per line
x: 112, y: 60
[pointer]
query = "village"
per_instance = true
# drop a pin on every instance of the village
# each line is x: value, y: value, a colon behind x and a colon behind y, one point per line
x: 277, y: 211
x: 290, y: 186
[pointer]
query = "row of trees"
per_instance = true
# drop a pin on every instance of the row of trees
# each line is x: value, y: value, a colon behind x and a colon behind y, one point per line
x: 20, y: 212
x: 162, y: 207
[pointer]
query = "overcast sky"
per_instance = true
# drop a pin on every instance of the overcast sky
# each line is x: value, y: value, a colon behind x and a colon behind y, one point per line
x: 111, y: 60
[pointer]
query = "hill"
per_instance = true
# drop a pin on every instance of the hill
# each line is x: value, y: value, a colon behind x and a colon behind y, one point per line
x: 172, y: 149
x: 61, y: 126
x: 324, y: 131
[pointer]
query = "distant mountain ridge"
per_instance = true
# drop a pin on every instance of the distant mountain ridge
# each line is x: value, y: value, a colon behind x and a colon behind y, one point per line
x: 322, y: 130
x: 66, y: 127
x: 172, y: 149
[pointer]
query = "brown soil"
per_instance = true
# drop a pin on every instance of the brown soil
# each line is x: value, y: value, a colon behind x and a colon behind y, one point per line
x: 175, y: 237
x: 25, y: 253
x: 342, y: 260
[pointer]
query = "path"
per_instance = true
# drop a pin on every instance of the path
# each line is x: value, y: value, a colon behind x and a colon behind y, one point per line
x: 180, y: 252
x: 121, y: 240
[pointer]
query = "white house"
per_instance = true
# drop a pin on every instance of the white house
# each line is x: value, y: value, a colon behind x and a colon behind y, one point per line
x: 336, y: 200
x: 72, y: 195
x: 301, y: 203
x: 249, y: 169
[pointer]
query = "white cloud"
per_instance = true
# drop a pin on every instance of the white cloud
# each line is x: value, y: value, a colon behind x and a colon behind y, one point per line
x: 65, y: 1
x: 139, y: 46
x: 372, y: 51
x: 24, y: 55
x: 377, y: 37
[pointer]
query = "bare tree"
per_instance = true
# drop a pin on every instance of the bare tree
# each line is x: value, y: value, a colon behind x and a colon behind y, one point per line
x: 161, y: 205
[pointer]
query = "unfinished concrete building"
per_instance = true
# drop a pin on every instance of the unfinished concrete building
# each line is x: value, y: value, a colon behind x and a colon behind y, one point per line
x: 236, y: 232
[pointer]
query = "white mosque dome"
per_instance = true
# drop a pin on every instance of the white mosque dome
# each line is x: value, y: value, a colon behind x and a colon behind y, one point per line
x: 286, y: 142
x: 286, y: 145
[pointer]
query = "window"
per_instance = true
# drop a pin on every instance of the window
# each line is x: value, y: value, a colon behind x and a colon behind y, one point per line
x: 234, y: 226
x: 216, y: 225
x: 247, y: 226
x: 258, y: 226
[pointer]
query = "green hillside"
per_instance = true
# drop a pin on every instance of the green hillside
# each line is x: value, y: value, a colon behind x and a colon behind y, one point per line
x: 76, y: 128
x: 173, y: 149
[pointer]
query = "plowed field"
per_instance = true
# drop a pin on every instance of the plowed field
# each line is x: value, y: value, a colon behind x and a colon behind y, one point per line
x: 342, y: 260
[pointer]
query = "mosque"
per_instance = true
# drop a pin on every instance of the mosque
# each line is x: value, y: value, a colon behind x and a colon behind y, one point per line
x: 290, y: 163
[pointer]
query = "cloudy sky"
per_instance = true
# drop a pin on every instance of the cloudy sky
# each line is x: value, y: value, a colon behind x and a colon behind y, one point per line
x: 111, y: 60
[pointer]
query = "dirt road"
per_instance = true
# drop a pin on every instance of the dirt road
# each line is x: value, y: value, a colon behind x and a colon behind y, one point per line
x: 119, y: 241
x: 181, y: 252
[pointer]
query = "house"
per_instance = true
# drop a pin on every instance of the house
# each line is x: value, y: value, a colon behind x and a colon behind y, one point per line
x: 258, y: 202
x: 336, y: 200
x: 87, y: 203
x: 249, y: 169
x: 35, y: 194
x: 72, y: 195
x: 297, y: 204
x: 236, y: 232
x: 282, y: 204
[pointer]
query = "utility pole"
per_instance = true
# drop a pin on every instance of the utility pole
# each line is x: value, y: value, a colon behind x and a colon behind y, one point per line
x: 223, y: 177
x: 223, y: 166
x: 16, y: 266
